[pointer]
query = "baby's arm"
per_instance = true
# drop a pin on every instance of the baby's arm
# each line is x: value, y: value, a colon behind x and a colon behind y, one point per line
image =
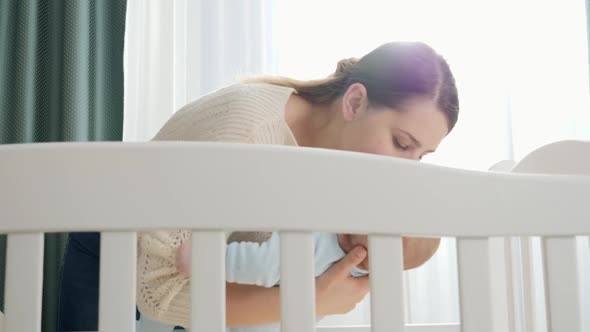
x: 253, y: 263
x: 248, y: 263
x: 259, y: 264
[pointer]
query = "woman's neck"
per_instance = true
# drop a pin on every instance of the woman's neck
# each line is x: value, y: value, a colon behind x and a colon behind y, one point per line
x: 313, y: 125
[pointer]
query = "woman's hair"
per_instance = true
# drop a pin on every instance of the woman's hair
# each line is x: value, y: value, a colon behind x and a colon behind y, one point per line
x: 392, y: 73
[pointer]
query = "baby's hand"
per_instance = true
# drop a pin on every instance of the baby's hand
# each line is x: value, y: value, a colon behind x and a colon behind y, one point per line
x: 183, y: 258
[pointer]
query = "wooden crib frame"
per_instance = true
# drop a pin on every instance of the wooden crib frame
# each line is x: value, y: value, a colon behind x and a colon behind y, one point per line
x: 120, y: 188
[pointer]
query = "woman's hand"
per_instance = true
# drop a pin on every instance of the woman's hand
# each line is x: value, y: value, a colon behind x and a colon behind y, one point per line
x: 337, y: 292
x: 416, y: 250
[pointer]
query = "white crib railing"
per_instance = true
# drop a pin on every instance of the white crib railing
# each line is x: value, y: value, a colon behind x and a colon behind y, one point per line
x: 555, y: 158
x: 120, y: 188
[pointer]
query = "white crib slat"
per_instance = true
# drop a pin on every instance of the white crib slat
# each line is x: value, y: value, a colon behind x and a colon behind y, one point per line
x: 584, y: 267
x: 500, y: 253
x: 530, y: 307
x: 563, y: 288
x: 208, y: 284
x: 409, y: 328
x: 297, y: 282
x: 117, y: 281
x: 387, y: 294
x: 474, y: 284
x: 24, y: 282
x: 433, y: 328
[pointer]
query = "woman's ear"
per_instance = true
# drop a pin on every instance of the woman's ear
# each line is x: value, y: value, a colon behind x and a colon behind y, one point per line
x: 354, y: 102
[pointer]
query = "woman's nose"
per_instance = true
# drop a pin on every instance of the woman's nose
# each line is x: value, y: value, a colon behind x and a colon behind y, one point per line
x: 412, y: 155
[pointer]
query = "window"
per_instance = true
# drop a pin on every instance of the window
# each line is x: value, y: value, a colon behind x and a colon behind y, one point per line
x: 522, y: 73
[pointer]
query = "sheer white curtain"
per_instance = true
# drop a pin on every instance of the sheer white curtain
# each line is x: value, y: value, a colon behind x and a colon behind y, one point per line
x: 177, y: 51
x: 522, y: 74
x: 521, y: 69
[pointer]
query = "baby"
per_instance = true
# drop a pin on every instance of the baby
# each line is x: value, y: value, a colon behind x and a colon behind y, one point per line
x: 256, y: 263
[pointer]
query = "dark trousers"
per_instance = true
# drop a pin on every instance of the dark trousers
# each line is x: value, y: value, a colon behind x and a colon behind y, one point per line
x: 78, y: 286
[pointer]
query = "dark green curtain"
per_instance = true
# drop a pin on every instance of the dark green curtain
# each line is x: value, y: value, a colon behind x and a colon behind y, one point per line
x: 61, y: 79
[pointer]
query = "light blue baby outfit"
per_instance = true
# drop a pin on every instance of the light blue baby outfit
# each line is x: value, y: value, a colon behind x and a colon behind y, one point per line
x: 259, y: 264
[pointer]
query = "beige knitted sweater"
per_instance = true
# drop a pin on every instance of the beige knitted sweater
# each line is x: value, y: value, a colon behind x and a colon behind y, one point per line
x: 241, y: 113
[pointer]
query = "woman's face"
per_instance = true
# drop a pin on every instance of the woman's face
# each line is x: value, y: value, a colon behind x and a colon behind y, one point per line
x: 411, y: 132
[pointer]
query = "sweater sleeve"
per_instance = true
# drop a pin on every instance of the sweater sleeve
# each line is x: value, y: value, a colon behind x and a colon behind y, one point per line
x: 250, y: 114
x: 163, y: 293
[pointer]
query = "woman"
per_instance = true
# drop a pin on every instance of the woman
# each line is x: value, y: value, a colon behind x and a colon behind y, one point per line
x: 399, y: 100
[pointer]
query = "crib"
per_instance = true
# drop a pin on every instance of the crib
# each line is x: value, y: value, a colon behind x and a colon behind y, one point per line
x: 200, y: 186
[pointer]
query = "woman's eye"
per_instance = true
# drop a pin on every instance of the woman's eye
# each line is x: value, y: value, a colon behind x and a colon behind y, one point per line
x: 399, y: 145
